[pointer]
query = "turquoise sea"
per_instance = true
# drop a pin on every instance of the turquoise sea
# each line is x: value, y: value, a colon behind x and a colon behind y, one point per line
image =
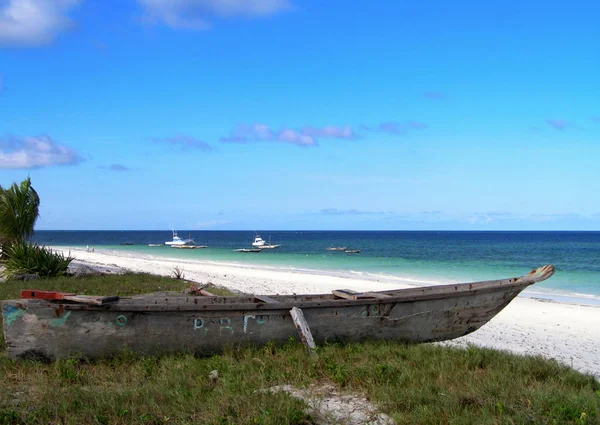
x: 425, y: 257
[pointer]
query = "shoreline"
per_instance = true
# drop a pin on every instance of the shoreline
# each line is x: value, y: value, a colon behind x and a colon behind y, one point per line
x: 405, y: 281
x: 563, y: 331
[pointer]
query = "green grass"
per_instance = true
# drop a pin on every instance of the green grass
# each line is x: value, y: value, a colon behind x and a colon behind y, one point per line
x: 414, y: 384
x: 122, y: 285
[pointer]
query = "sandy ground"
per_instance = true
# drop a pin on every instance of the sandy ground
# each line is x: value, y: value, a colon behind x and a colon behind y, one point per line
x: 569, y: 333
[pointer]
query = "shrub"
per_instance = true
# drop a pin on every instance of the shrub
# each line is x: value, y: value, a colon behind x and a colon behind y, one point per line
x: 26, y: 258
x: 178, y: 273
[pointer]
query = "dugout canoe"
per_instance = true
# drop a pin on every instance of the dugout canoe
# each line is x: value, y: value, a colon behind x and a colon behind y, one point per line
x: 93, y: 327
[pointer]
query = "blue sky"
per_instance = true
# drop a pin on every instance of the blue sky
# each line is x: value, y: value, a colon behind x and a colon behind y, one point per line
x: 301, y: 114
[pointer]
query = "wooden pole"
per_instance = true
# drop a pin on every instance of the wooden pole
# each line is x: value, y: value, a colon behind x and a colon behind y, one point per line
x: 303, y: 330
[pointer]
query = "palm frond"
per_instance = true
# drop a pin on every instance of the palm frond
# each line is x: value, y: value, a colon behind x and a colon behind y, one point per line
x: 19, y: 210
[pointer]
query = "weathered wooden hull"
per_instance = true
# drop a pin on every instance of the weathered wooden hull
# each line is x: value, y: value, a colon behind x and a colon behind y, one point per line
x: 205, y: 325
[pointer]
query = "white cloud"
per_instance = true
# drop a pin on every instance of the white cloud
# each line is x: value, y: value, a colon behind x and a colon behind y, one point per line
x: 352, y: 211
x: 117, y: 167
x: 185, y: 142
x: 35, y: 152
x: 33, y: 22
x: 308, y: 136
x: 195, y: 14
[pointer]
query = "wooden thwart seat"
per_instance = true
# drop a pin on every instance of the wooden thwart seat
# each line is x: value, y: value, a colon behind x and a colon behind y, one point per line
x: 266, y: 299
x: 349, y: 294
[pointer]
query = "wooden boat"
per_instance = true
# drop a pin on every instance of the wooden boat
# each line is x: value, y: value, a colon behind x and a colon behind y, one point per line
x: 248, y: 250
x: 352, y: 251
x: 188, y: 246
x: 68, y: 324
x: 337, y: 248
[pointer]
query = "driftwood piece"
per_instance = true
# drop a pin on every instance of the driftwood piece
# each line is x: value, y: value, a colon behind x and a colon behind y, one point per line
x: 303, y: 330
x: 196, y: 289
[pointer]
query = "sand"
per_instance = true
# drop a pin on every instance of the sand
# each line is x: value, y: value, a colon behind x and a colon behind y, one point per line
x: 569, y: 333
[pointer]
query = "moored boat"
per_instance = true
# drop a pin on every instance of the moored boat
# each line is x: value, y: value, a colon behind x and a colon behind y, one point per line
x: 248, y: 250
x: 261, y: 244
x: 56, y: 325
x: 177, y: 241
x: 352, y: 251
x: 337, y: 248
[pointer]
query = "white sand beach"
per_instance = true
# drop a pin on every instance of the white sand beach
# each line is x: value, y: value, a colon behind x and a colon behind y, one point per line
x: 569, y: 333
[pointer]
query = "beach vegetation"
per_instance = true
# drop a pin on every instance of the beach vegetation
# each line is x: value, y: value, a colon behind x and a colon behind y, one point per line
x: 178, y: 273
x: 414, y: 384
x: 19, y: 211
x: 23, y: 258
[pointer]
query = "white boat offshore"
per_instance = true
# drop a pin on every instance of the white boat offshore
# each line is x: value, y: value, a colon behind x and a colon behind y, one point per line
x: 261, y: 244
x: 178, y: 242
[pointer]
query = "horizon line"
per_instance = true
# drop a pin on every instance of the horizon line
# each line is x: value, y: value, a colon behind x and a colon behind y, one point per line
x: 310, y: 230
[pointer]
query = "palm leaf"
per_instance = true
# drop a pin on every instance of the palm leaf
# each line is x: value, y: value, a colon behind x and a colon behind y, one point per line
x: 19, y: 210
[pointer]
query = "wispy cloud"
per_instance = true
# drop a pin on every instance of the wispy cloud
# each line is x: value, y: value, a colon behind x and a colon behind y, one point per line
x: 197, y: 14
x: 307, y: 136
x: 480, y: 220
x: 436, y: 95
x: 498, y: 214
x: 391, y: 127
x: 35, y: 152
x: 558, y: 124
x: 185, y: 143
x: 33, y: 22
x: 397, y: 128
x: 352, y: 211
x: 416, y: 125
x: 210, y: 224
x: 117, y: 167
x: 554, y: 217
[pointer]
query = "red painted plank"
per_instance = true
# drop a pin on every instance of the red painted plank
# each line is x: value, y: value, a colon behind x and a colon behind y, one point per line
x: 44, y: 295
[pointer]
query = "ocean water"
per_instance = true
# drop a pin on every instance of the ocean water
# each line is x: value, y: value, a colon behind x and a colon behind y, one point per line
x: 423, y: 257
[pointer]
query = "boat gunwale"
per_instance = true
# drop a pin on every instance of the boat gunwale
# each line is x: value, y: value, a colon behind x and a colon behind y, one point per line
x: 150, y: 304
